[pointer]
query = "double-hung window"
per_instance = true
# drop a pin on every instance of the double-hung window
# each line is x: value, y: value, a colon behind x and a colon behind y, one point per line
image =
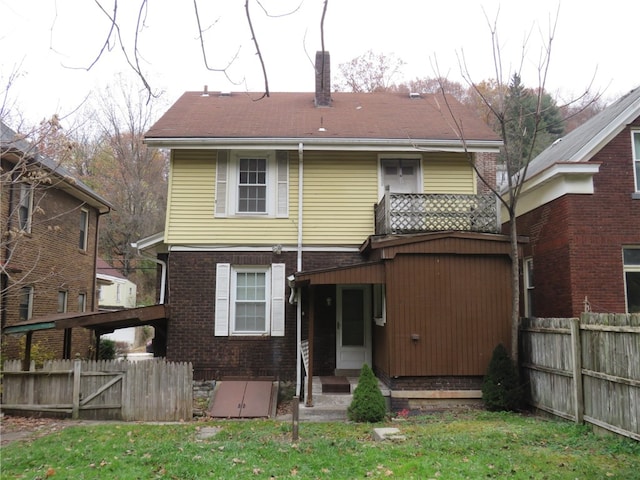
x: 529, y: 287
x: 631, y: 259
x: 250, y: 300
x: 62, y: 301
x: 84, y: 229
x: 25, y: 207
x: 26, y: 303
x: 252, y: 184
x: 635, y: 135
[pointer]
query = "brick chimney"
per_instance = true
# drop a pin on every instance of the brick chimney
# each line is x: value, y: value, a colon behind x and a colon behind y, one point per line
x: 323, y: 79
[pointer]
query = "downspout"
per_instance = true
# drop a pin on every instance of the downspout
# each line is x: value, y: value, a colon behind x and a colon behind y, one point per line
x: 299, y: 269
x: 163, y: 272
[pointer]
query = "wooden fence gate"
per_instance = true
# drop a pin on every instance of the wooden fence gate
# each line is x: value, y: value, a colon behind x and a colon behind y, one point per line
x: 149, y: 390
x: 586, y: 369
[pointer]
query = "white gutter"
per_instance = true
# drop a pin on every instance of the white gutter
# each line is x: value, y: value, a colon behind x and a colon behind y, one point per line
x: 299, y: 269
x: 329, y: 144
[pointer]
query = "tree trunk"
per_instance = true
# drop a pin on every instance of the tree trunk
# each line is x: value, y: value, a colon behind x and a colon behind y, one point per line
x: 515, y: 287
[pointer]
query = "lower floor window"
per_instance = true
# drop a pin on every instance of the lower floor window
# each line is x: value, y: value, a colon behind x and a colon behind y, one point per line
x: 249, y: 308
x: 631, y: 257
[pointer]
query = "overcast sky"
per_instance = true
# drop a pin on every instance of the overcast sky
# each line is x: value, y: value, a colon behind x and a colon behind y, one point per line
x: 52, y: 43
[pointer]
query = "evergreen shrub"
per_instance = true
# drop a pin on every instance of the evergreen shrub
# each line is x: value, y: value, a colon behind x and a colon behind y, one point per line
x: 501, y: 387
x: 368, y: 404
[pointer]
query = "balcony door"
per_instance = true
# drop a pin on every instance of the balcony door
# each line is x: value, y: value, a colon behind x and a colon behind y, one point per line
x: 401, y: 174
x: 353, y: 327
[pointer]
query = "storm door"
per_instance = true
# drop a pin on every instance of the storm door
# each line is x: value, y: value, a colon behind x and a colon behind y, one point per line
x: 353, y: 327
x: 400, y: 174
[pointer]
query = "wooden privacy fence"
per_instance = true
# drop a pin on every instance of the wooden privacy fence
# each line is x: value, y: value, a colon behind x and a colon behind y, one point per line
x: 150, y: 390
x: 586, y: 369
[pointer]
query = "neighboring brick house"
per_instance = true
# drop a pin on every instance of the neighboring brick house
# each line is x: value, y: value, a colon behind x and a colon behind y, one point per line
x: 580, y: 208
x: 351, y: 223
x: 49, y: 226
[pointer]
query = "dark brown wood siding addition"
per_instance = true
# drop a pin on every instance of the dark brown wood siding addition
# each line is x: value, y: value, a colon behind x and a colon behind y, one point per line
x: 445, y: 314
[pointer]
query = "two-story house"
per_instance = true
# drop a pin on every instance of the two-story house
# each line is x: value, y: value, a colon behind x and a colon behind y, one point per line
x: 49, y: 223
x: 580, y: 207
x: 351, y: 225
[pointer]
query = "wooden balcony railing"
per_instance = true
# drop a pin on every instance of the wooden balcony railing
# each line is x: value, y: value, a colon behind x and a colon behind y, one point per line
x: 415, y: 213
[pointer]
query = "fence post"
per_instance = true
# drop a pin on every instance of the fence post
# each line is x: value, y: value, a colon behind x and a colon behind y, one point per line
x: 295, y: 417
x: 77, y: 370
x: 578, y: 396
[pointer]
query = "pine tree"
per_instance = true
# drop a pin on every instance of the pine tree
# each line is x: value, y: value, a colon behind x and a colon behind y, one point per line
x: 501, y: 388
x: 368, y: 404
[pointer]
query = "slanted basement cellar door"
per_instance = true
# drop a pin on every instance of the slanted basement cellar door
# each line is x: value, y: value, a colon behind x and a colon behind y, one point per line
x: 242, y: 399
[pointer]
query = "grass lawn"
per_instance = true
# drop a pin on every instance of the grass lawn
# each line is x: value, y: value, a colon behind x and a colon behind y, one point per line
x: 439, y: 446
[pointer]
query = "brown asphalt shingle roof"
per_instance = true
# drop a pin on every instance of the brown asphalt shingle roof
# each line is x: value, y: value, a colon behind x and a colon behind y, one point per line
x: 294, y: 115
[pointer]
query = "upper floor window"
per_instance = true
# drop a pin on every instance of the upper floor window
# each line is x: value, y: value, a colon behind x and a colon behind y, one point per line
x: 25, y: 207
x: 636, y: 157
x: 84, y: 228
x: 252, y: 183
x: 26, y: 303
x: 631, y: 259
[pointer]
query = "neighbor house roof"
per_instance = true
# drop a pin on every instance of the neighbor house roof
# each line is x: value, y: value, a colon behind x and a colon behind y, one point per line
x: 11, y: 142
x: 353, y: 121
x: 585, y: 141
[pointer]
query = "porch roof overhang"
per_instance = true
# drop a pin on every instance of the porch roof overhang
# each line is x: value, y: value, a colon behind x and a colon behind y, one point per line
x: 360, y: 273
x: 99, y: 321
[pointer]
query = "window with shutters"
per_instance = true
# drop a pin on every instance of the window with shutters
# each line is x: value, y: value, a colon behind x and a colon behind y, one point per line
x: 252, y: 184
x: 250, y: 300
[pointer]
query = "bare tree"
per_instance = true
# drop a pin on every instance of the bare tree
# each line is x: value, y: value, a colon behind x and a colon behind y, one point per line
x: 502, y: 100
x: 370, y: 72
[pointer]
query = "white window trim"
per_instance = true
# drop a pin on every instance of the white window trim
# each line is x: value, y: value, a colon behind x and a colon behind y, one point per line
x: 65, y: 297
x: 401, y: 156
x: 626, y: 268
x: 225, y: 299
x: 379, y: 305
x: 233, y: 301
x: 82, y: 305
x: 228, y: 180
x: 30, y: 300
x: 635, y: 158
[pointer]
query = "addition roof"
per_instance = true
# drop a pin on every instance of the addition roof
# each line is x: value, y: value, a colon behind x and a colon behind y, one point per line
x: 362, y: 120
x: 585, y: 141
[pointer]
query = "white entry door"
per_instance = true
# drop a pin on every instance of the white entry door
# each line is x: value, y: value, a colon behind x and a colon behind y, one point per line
x: 353, y: 327
x: 401, y: 175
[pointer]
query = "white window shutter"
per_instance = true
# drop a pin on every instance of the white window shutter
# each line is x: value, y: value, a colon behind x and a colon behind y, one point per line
x: 222, y: 176
x: 223, y: 277
x: 282, y: 187
x: 278, y: 300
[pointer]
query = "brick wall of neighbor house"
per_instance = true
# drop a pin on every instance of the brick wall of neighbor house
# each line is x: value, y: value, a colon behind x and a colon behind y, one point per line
x: 191, y: 335
x: 577, y: 240
x: 51, y: 252
x: 487, y: 168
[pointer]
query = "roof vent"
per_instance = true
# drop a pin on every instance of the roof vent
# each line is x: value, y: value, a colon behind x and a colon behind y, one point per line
x: 205, y: 92
x: 414, y: 95
x: 225, y: 93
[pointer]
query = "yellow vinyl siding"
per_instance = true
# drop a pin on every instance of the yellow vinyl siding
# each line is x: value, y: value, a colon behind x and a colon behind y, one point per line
x: 190, y: 214
x: 340, y: 190
x: 448, y: 173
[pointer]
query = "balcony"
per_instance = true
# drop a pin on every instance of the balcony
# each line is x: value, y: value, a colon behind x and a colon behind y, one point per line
x: 418, y: 213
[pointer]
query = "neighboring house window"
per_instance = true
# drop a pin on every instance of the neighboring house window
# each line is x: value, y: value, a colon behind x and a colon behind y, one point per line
x: 252, y: 184
x: 82, y: 302
x: 84, y: 228
x: 118, y: 293
x: 26, y: 207
x: 62, y: 301
x: 250, y: 300
x: 26, y: 303
x: 528, y: 287
x: 636, y: 157
x: 631, y: 257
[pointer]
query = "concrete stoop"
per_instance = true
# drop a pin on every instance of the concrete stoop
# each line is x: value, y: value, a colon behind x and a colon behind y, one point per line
x: 330, y: 406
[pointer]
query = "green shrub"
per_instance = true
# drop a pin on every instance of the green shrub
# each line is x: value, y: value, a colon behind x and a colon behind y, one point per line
x: 107, y: 349
x: 501, y: 388
x: 368, y: 404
